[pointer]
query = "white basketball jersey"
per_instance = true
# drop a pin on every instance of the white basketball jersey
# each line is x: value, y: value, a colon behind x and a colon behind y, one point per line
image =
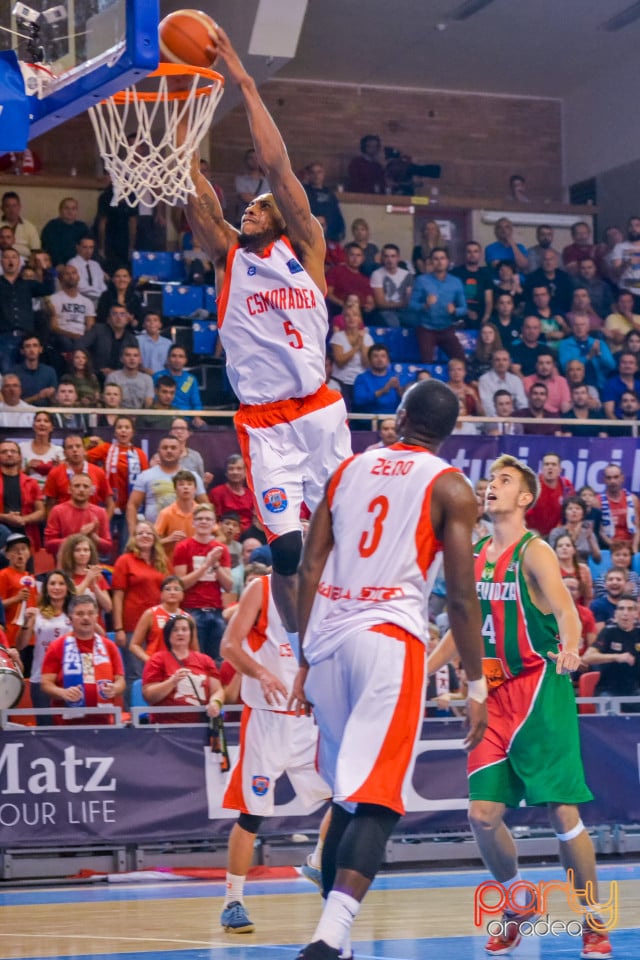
x: 385, y: 556
x: 45, y: 631
x: 273, y: 325
x: 267, y: 643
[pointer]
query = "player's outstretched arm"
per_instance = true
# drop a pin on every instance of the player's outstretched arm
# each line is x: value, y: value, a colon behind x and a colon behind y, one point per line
x: 238, y: 628
x: 303, y: 229
x: 542, y: 571
x: 211, y: 232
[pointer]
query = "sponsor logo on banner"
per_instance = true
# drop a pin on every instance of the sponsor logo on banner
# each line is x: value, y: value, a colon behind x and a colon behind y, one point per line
x: 275, y: 499
x: 259, y: 785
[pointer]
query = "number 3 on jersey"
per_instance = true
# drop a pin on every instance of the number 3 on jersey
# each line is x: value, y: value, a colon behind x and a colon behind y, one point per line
x: 488, y: 628
x: 370, y: 539
x: 295, y: 337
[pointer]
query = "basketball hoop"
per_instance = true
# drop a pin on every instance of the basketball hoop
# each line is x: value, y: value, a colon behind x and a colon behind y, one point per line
x: 147, y: 165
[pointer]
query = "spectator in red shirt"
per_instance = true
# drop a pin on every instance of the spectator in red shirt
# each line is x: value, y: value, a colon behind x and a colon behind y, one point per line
x: 148, y: 637
x: 56, y: 488
x: 554, y: 488
x: 204, y: 566
x: 234, y: 496
x: 78, y: 515
x: 581, y: 248
x: 83, y: 669
x: 179, y: 676
x: 122, y: 462
x: 347, y: 278
x: 21, y: 506
x: 137, y: 581
x: 365, y: 173
x: 17, y: 587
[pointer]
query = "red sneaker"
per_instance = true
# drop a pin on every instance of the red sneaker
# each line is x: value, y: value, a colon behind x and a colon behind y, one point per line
x: 507, y: 941
x: 595, y: 945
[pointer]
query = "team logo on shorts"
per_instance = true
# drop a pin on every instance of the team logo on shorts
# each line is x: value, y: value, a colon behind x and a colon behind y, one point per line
x: 260, y: 785
x: 275, y: 499
x: 251, y: 272
x: 294, y: 266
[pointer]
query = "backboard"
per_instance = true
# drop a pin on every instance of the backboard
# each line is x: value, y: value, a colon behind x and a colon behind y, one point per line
x: 84, y: 50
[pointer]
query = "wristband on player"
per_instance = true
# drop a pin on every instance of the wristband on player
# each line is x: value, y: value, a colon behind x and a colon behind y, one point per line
x: 477, y: 690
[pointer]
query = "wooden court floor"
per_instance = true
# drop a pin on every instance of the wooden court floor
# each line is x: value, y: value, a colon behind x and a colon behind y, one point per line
x: 407, y: 916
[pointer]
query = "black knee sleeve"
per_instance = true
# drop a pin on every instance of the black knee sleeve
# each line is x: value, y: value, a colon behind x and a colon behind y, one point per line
x: 340, y: 820
x: 285, y: 553
x: 249, y: 823
x: 365, y: 839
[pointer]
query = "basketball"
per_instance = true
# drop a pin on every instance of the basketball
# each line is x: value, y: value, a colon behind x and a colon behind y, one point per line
x: 184, y: 38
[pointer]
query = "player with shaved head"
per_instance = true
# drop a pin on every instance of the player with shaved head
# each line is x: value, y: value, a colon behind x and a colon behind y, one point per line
x: 273, y: 325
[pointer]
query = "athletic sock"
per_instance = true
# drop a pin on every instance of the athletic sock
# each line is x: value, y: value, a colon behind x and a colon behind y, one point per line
x: 340, y: 910
x: 234, y: 889
x: 521, y: 897
x: 315, y: 858
x: 347, y: 952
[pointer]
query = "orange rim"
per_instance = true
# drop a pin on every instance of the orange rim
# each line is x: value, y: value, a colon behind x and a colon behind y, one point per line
x: 175, y: 70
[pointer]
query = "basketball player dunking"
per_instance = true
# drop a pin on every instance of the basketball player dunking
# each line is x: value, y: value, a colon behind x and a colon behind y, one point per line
x: 273, y: 324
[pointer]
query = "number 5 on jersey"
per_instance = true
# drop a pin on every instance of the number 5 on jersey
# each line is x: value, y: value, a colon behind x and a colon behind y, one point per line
x: 294, y: 336
x: 370, y: 539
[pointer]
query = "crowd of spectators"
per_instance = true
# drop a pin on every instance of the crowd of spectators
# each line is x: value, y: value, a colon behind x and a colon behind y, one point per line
x: 520, y: 335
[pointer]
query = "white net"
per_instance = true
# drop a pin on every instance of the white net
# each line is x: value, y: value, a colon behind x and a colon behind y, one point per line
x: 137, y: 139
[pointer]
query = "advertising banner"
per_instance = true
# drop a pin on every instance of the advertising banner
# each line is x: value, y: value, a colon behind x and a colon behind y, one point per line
x: 140, y: 785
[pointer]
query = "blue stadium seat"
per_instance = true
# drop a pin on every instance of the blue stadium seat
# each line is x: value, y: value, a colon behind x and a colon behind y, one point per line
x: 635, y: 563
x: 137, y: 700
x: 210, y: 301
x: 157, y: 266
x: 407, y: 372
x: 401, y: 343
x: 180, y: 301
x: 205, y: 334
x: 599, y: 569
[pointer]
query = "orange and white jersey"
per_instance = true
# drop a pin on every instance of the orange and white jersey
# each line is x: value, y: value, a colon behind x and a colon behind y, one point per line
x: 385, y: 556
x: 268, y: 644
x: 273, y: 325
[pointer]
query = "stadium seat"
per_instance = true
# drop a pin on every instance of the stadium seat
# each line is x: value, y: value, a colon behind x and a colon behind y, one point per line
x: 586, y: 688
x: 179, y: 300
x: 599, y: 569
x: 635, y: 563
x: 210, y: 301
x: 204, y: 335
x: 157, y: 266
x: 137, y: 700
x: 407, y: 372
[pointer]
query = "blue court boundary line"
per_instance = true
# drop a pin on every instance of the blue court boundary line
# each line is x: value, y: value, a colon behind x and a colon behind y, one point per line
x: 624, y: 943
x: 103, y: 892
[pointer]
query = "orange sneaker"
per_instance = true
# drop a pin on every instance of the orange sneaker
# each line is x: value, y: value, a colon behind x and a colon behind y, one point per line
x: 595, y: 945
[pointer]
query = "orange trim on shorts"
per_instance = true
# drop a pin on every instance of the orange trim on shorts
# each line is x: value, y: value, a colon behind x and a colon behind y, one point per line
x: 223, y: 299
x: 244, y: 444
x: 261, y: 415
x: 233, y: 798
x: 384, y: 784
